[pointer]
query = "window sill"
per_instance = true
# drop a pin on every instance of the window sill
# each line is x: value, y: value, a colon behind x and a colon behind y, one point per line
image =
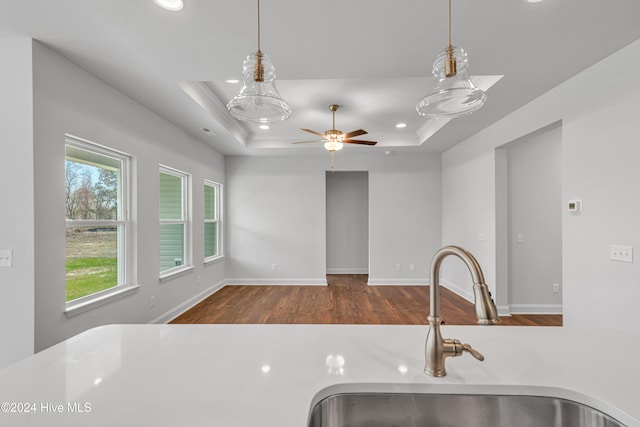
x: 74, y: 308
x: 176, y: 272
x: 213, y: 260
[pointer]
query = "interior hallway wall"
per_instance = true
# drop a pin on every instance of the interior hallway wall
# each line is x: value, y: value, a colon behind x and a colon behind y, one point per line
x: 599, y: 166
x: 535, y: 222
x: 276, y: 214
x: 347, y: 222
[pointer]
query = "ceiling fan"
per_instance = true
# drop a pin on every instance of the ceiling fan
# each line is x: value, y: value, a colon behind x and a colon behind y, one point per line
x: 334, y: 139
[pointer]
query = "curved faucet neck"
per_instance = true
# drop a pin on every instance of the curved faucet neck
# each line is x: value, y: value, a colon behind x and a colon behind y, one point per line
x: 438, y: 349
x: 434, y: 280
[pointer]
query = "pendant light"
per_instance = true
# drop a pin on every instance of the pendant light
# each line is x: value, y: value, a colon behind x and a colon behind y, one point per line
x: 453, y: 94
x: 259, y: 100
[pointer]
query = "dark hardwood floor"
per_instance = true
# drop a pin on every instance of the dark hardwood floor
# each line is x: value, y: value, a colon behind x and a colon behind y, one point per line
x: 346, y: 300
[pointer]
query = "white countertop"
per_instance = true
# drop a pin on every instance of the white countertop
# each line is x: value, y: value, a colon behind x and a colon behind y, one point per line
x: 168, y: 375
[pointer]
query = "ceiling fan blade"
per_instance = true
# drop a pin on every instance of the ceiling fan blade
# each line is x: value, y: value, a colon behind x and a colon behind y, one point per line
x: 354, y: 133
x: 360, y: 141
x: 313, y: 132
x: 304, y: 142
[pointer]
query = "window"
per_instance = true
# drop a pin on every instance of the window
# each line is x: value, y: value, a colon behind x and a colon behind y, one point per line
x: 174, y: 222
x: 212, y: 221
x: 97, y: 222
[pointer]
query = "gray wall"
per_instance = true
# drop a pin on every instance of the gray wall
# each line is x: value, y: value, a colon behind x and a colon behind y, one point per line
x: 601, y: 151
x: 599, y: 166
x: 16, y: 210
x: 347, y: 222
x: 69, y: 100
x: 535, y: 212
x: 276, y: 214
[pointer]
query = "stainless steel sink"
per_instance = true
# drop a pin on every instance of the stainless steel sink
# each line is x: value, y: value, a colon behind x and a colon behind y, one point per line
x: 449, y: 410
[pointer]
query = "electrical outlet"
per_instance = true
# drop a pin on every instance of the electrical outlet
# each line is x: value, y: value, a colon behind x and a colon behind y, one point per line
x: 621, y: 253
x: 412, y: 267
x: 397, y: 267
x: 520, y: 238
x: 6, y: 258
x: 274, y: 267
x: 482, y: 236
x: 152, y: 302
x: 555, y: 288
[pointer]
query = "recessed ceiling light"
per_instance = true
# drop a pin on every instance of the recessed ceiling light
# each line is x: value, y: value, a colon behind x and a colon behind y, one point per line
x: 172, y: 5
x: 401, y: 125
x: 264, y: 127
x: 534, y: 1
x: 232, y: 81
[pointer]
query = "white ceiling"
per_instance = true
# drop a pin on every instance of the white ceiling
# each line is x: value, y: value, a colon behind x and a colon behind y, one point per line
x: 373, y: 58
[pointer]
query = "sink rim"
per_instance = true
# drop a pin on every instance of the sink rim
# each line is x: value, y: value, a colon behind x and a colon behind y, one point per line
x: 473, y: 389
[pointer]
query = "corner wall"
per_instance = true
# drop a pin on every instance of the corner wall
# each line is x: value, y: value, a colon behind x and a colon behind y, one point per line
x: 16, y: 210
x: 599, y: 162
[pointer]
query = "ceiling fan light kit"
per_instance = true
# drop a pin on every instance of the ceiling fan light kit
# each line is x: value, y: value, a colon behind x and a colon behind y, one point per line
x: 333, y: 145
x: 453, y: 94
x: 259, y: 100
x: 334, y: 139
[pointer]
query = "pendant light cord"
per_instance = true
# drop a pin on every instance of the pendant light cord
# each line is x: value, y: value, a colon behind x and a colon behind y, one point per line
x: 450, y: 63
x: 259, y: 26
x: 258, y: 71
x: 449, y: 22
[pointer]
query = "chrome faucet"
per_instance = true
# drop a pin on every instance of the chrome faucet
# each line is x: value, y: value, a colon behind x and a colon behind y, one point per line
x: 437, y: 349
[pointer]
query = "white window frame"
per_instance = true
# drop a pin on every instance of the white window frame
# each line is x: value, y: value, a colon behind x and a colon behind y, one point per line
x: 186, y: 220
x: 218, y: 219
x: 125, y: 284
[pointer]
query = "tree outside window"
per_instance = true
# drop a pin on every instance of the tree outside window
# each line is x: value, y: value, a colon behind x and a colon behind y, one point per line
x: 96, y: 218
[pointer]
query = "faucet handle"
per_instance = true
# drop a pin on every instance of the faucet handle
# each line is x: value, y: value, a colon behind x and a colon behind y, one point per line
x: 471, y: 351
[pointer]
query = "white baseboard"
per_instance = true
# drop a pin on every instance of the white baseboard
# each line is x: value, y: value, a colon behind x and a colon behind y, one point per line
x: 347, y: 271
x: 467, y: 295
x: 464, y: 293
x: 536, y: 308
x: 188, y: 304
x: 397, y: 282
x: 285, y: 282
x: 504, y: 311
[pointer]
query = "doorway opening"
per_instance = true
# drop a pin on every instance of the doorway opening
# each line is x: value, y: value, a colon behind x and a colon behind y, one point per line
x: 347, y: 216
x: 529, y: 222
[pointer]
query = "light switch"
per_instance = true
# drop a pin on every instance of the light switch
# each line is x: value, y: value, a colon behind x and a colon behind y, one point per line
x: 519, y: 238
x: 6, y: 258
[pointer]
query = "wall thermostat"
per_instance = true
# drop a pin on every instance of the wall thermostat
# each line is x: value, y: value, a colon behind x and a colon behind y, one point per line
x: 575, y: 205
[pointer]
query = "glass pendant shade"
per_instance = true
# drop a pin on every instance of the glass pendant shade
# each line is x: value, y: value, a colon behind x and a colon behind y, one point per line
x: 454, y: 96
x: 259, y: 100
